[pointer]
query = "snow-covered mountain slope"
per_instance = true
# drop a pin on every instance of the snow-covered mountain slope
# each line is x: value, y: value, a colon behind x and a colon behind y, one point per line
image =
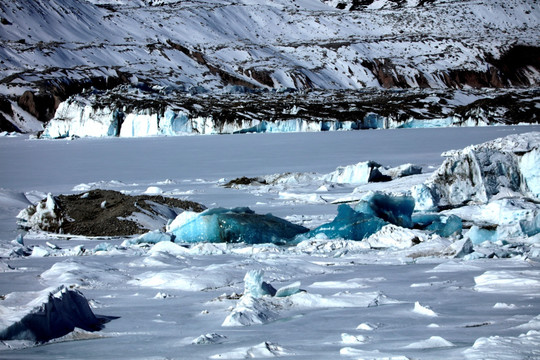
x: 56, y: 48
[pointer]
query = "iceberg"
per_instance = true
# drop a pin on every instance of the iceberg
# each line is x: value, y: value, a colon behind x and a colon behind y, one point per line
x: 232, y: 226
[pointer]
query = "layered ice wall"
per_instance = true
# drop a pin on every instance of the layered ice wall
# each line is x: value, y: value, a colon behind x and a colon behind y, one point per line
x: 74, y: 119
x: 128, y: 112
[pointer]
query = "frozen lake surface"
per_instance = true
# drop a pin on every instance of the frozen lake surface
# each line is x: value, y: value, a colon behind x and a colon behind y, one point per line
x: 358, y: 302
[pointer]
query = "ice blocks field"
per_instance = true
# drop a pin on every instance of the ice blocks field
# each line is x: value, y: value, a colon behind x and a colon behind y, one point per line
x: 333, y: 245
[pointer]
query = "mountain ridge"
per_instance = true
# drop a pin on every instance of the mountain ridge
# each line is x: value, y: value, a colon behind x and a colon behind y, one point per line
x: 54, y: 49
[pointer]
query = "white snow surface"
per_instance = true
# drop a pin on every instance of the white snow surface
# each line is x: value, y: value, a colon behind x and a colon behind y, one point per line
x: 399, y: 294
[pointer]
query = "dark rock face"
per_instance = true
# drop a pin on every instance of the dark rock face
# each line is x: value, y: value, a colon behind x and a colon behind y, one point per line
x: 515, y: 62
x: 509, y: 70
x: 42, y: 106
x: 43, y: 103
x: 5, y: 108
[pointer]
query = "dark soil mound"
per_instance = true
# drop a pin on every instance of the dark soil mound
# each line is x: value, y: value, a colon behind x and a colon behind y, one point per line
x: 111, y: 213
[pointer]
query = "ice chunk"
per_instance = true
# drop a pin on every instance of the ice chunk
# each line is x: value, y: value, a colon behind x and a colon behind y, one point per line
x: 263, y: 350
x: 432, y: 342
x: 372, y: 355
x: 152, y: 237
x: 423, y: 310
x: 42, y: 216
x: 39, y: 251
x: 366, y: 327
x: 524, y: 346
x: 511, y: 217
x: 250, y: 311
x: 103, y: 247
x: 19, y: 240
x: 478, y: 235
x: 348, y: 224
x: 50, y: 314
x: 288, y: 290
x: 352, y: 339
x: 463, y: 247
x: 396, y: 209
x: 233, y: 225
x: 423, y: 199
x: 255, y: 286
x: 401, y: 171
x: 509, y: 281
x: 212, y: 338
x: 154, y: 190
x: 396, y: 237
x: 446, y: 226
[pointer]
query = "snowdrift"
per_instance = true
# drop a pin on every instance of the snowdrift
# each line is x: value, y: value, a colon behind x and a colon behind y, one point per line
x: 49, y: 314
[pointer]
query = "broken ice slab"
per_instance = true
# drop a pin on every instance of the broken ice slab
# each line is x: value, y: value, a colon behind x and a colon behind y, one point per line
x: 348, y: 224
x: 255, y: 286
x: 151, y: 237
x: 232, y: 226
x: 361, y: 173
x: 45, y: 315
x: 288, y: 290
